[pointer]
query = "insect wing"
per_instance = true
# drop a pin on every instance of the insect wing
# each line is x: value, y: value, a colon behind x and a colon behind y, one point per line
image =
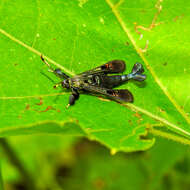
x: 115, y: 66
x: 119, y: 95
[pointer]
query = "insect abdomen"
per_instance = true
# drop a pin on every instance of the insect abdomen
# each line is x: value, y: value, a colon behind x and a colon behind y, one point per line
x: 113, y: 81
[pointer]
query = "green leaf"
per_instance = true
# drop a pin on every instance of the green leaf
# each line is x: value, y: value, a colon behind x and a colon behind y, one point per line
x: 86, y: 165
x: 32, y: 151
x: 173, y: 153
x: 1, y: 180
x: 77, y: 36
x: 128, y: 171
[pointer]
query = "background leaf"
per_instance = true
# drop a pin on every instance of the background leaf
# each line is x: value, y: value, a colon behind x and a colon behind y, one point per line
x: 77, y: 36
x: 1, y: 181
x: 63, y: 163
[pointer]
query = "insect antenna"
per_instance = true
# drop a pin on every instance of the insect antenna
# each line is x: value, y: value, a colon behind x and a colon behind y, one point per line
x: 47, y: 77
x: 57, y: 72
x: 55, y: 85
x: 51, y: 69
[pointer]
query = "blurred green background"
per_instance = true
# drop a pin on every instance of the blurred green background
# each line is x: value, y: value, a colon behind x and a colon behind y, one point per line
x: 56, y: 162
x: 97, y: 143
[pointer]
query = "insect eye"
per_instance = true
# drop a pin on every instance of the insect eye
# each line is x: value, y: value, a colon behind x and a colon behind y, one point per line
x: 103, y: 67
x: 65, y: 84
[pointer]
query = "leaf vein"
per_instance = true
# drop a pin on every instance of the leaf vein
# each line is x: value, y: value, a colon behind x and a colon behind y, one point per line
x: 163, y: 88
x: 34, y: 51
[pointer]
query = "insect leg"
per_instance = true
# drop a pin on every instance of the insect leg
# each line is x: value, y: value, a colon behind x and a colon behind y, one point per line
x: 57, y: 72
x: 58, y: 84
x: 75, y: 93
x: 73, y: 97
x: 60, y: 74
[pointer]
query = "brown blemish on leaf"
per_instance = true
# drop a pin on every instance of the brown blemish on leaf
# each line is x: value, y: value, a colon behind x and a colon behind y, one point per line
x: 139, y: 120
x: 127, y: 43
x: 178, y: 18
x: 27, y: 107
x: 161, y: 110
x: 130, y: 122
x: 153, y: 24
x: 143, y: 11
x: 40, y: 103
x: 137, y: 115
x: 99, y: 184
x: 47, y: 109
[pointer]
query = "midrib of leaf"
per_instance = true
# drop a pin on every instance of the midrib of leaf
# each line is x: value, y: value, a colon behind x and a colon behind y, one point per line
x: 126, y: 30
x: 132, y: 107
x: 35, y: 51
x: 162, y: 120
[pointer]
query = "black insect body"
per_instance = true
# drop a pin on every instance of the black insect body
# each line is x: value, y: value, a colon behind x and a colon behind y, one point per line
x: 99, y: 80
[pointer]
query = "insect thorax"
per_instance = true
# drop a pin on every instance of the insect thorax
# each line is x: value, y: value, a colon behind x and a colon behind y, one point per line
x: 79, y: 82
x: 76, y: 82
